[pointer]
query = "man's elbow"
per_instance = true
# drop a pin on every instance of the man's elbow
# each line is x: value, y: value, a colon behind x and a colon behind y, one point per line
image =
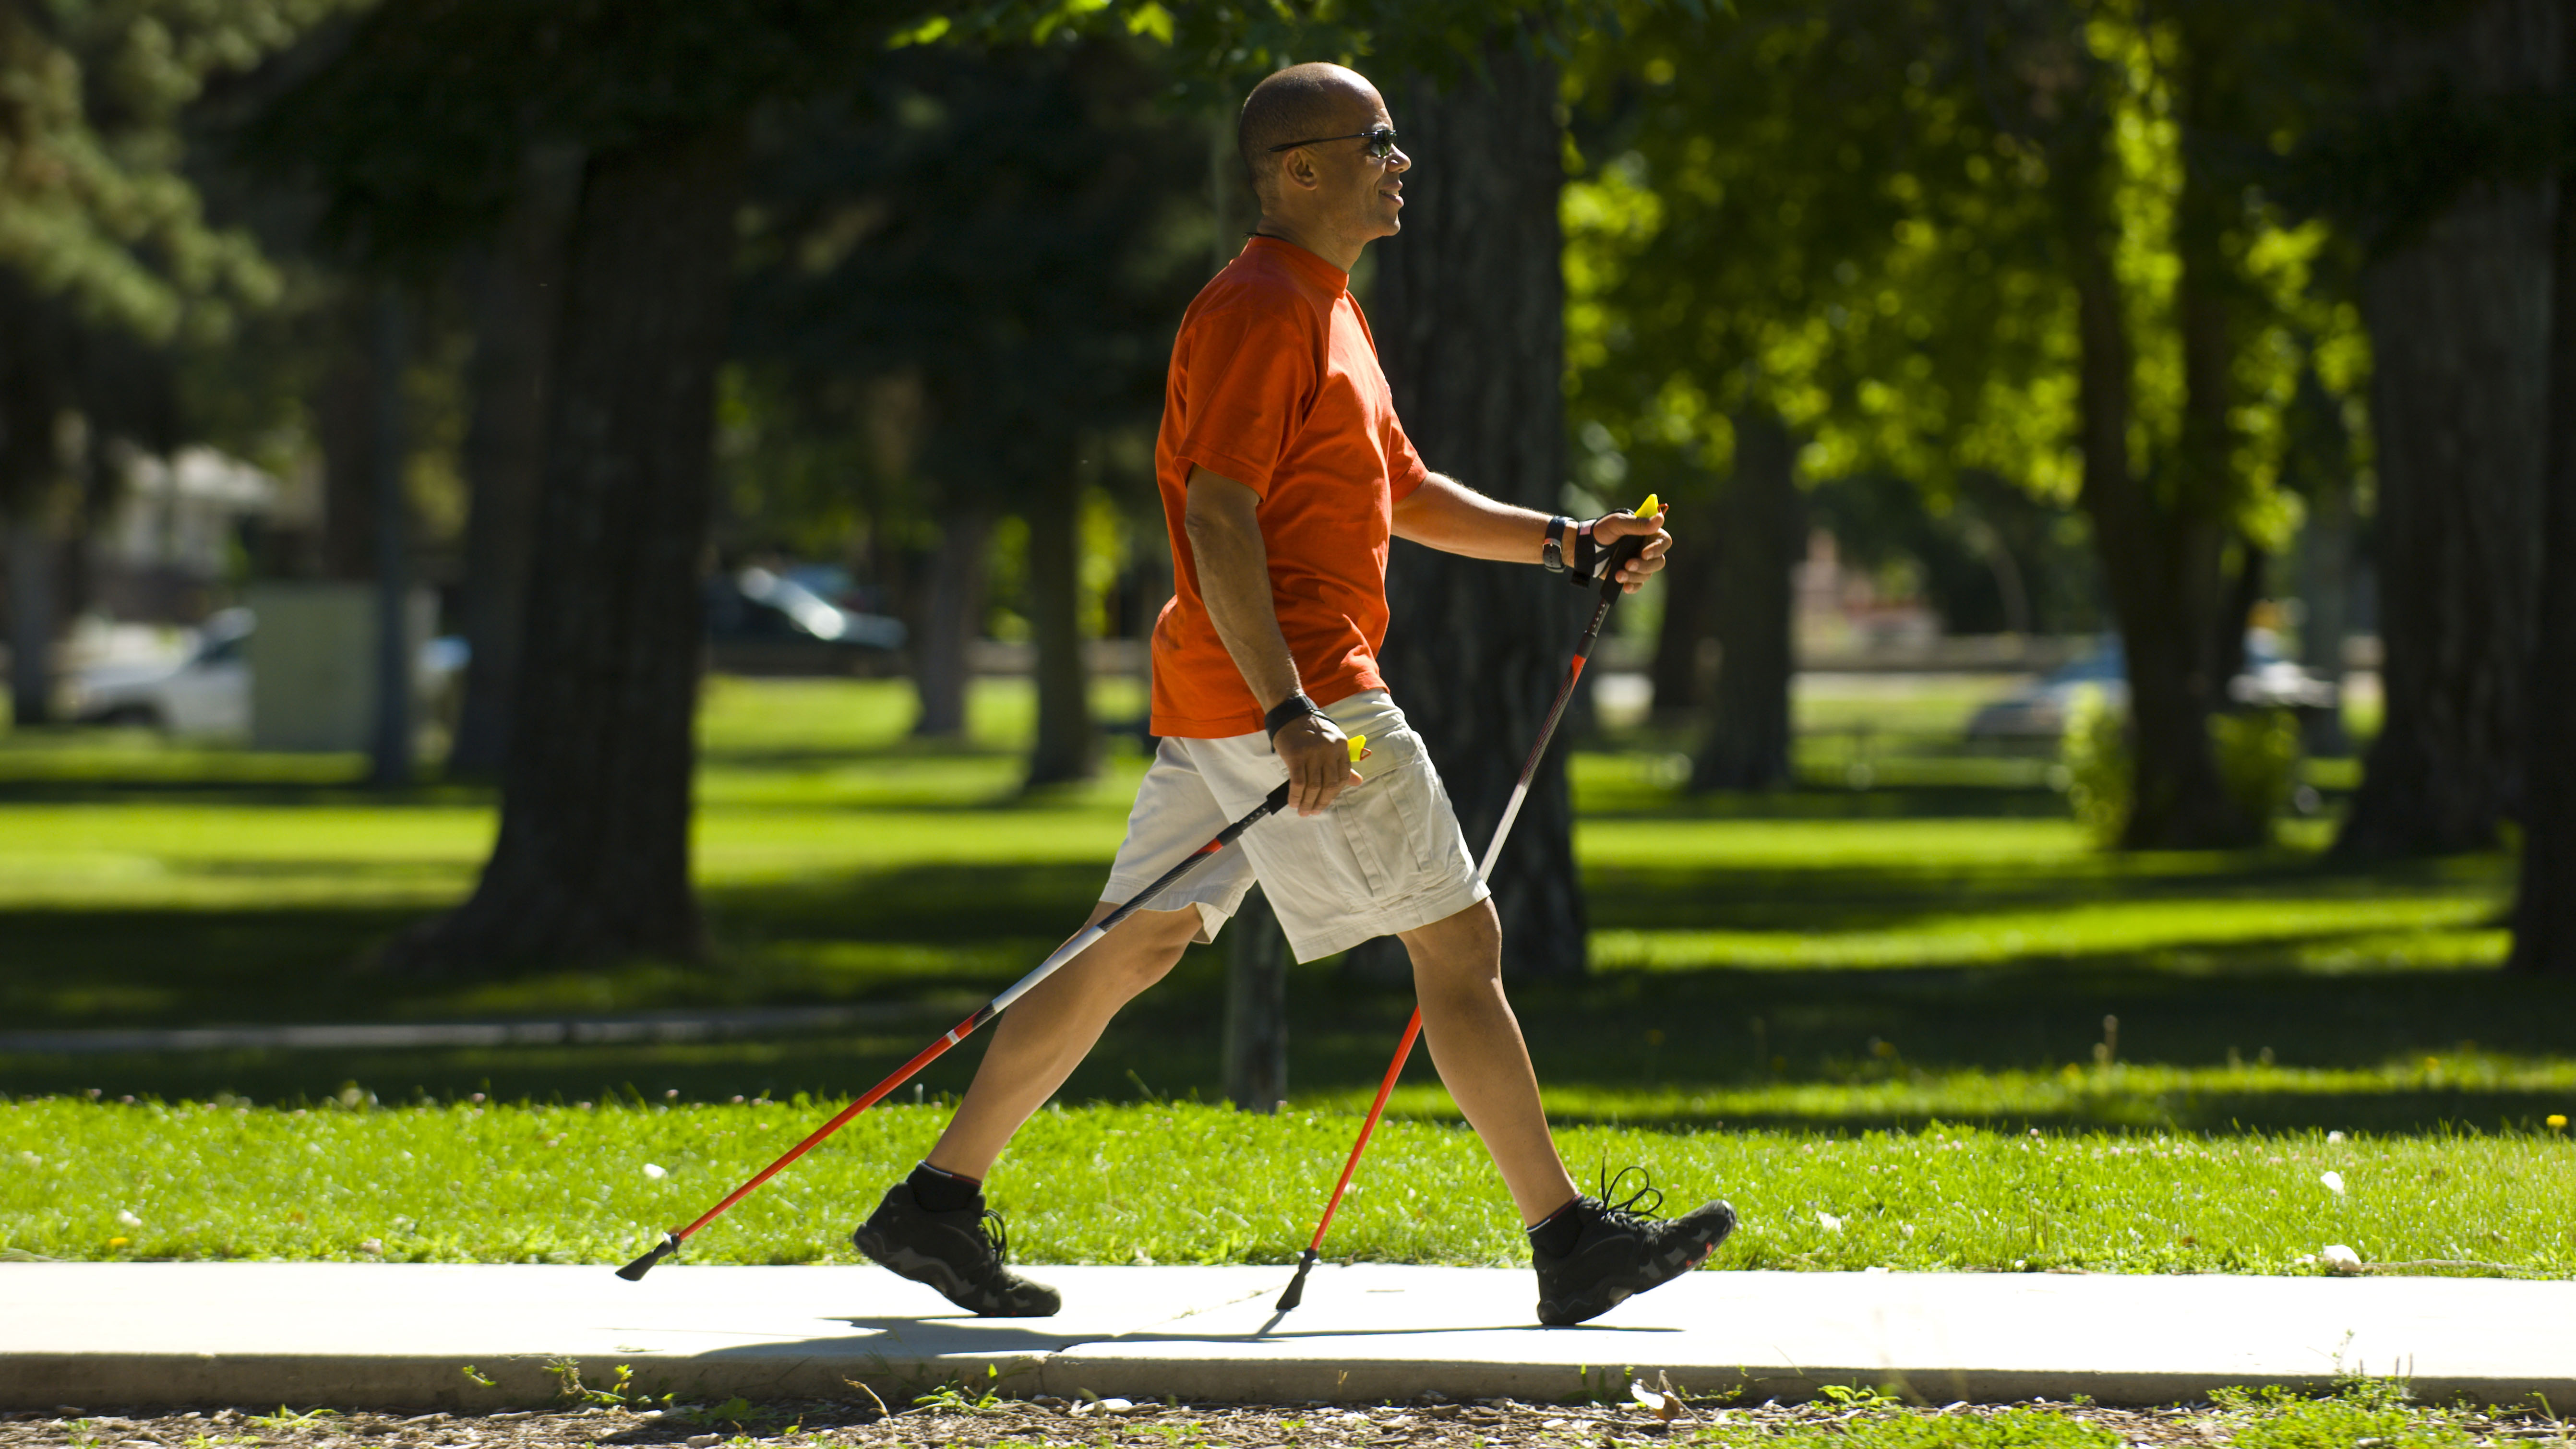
x: 1211, y: 525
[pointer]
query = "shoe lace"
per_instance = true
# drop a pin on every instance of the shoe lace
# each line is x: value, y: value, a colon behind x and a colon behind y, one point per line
x: 1638, y: 1206
x: 996, y: 1236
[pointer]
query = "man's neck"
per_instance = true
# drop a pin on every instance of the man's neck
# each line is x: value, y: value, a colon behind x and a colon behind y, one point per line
x: 1342, y: 254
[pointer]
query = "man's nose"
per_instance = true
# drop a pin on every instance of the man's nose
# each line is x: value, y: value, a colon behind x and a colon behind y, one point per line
x: 1397, y: 161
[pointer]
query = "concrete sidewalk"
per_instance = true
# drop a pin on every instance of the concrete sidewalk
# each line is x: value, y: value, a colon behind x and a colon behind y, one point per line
x: 112, y: 1335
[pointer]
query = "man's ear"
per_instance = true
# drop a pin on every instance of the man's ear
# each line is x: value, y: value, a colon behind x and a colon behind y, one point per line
x: 1298, y: 170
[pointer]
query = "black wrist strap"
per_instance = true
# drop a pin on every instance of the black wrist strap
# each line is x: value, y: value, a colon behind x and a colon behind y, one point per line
x: 1586, y: 556
x: 1287, y: 712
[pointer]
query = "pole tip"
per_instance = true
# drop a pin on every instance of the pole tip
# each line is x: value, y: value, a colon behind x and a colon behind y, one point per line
x: 1296, y: 1291
x: 634, y: 1272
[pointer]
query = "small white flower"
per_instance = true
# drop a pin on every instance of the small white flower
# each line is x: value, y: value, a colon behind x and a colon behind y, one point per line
x: 2333, y: 1182
x: 2334, y: 1137
x: 2337, y: 1255
x: 128, y: 1218
x: 656, y: 1171
x: 1830, y: 1223
x: 1906, y: 1228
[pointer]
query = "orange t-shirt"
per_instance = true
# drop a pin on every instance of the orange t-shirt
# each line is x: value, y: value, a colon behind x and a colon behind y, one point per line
x: 1275, y: 384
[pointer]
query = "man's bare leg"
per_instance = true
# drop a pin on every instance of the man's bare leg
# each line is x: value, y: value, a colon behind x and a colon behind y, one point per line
x: 1476, y: 1043
x: 1048, y: 1032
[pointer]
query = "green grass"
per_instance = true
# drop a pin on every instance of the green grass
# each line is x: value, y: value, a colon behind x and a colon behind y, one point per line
x: 1942, y: 944
x: 1182, y: 1183
x: 2375, y: 1413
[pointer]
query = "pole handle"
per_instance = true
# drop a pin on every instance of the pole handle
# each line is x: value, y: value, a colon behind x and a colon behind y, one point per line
x: 1625, y: 551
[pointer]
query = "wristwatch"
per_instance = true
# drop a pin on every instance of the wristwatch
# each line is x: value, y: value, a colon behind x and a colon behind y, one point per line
x: 1287, y: 712
x: 1551, y: 554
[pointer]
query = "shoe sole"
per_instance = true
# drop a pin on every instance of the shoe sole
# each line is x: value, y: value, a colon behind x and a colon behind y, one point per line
x: 936, y: 1275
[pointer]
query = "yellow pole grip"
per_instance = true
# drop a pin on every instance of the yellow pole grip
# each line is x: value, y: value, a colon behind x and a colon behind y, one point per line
x: 1359, y: 747
x: 1650, y: 507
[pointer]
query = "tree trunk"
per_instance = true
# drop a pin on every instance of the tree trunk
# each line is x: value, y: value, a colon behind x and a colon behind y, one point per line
x: 1068, y: 743
x: 1256, y: 1008
x: 592, y: 863
x: 2326, y: 556
x: 2459, y: 326
x: 2242, y: 591
x: 344, y: 426
x: 2544, y: 917
x: 2159, y: 560
x: 1756, y: 605
x: 30, y: 561
x: 1679, y: 677
x: 518, y: 302
x: 951, y: 617
x: 35, y: 367
x: 1470, y: 326
x: 393, y: 731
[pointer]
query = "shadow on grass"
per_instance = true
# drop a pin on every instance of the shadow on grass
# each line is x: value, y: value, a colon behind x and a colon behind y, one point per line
x: 1798, y: 1050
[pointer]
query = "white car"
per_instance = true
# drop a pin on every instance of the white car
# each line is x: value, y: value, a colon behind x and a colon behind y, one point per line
x: 205, y: 691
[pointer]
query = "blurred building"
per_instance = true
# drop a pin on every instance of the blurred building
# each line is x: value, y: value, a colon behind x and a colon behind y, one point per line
x: 176, y: 535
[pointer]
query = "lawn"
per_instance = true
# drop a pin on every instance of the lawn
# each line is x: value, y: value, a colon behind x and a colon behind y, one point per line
x: 1189, y: 1183
x: 1779, y: 982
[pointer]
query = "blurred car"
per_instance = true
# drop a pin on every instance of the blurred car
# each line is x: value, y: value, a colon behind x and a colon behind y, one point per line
x: 205, y: 689
x: 760, y: 622
x: 2041, y: 708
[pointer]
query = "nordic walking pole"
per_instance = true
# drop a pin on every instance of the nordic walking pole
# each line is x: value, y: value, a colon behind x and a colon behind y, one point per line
x: 1275, y: 802
x: 1620, y: 553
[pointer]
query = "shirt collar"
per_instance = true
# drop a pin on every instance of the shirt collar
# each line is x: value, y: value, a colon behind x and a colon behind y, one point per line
x: 1314, y: 268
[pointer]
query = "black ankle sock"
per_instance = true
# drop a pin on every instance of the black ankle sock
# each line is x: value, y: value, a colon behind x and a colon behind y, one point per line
x: 1557, y: 1233
x: 944, y: 1192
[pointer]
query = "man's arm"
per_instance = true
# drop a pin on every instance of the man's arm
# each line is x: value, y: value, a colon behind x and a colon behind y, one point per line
x: 1450, y: 516
x: 1224, y: 526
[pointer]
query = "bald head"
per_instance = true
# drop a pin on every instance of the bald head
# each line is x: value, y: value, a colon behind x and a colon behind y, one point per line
x: 1297, y: 104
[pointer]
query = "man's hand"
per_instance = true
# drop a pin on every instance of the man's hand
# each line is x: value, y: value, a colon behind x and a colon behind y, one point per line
x: 1318, y: 757
x: 1612, y: 527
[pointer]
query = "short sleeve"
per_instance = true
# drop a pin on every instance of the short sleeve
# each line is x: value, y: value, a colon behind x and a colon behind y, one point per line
x: 1404, y: 470
x: 1248, y: 380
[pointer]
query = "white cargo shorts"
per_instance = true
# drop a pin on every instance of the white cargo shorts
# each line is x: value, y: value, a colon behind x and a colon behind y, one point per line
x: 1386, y: 857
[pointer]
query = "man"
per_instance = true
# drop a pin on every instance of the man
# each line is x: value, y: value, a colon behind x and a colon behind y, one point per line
x: 1284, y: 472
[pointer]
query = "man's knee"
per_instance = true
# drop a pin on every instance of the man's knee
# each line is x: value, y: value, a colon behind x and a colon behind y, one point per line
x: 1145, y: 947
x: 1462, y: 949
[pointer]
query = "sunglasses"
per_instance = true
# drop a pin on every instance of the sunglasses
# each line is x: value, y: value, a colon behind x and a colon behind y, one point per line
x: 1381, y: 142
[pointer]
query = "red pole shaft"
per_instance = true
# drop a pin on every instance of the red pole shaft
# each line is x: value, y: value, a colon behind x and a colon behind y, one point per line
x: 870, y: 1098
x: 1385, y: 1089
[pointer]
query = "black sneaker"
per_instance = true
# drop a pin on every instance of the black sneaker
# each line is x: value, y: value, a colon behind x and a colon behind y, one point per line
x: 958, y: 1253
x: 1622, y: 1253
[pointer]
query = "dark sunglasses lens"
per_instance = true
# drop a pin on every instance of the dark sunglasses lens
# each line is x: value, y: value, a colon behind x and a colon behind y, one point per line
x: 1381, y: 144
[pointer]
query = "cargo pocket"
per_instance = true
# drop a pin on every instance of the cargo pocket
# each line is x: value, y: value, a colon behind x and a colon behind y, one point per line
x: 1386, y: 829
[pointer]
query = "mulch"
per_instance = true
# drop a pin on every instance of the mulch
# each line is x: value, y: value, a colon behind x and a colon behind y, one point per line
x: 1427, y: 1423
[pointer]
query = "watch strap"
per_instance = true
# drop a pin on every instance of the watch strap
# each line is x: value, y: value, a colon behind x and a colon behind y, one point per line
x: 1287, y: 712
x: 1551, y: 554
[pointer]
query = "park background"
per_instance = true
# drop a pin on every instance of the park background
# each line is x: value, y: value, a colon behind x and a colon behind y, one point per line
x: 689, y: 468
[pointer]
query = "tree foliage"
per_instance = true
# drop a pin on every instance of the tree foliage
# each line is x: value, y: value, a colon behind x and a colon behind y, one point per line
x: 96, y: 205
